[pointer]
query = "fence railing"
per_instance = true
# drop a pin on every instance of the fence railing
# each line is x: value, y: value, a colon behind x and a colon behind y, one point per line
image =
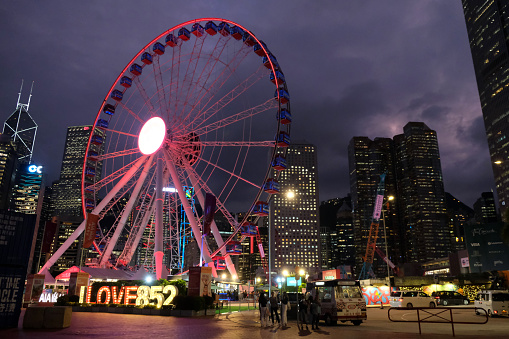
x: 438, y: 315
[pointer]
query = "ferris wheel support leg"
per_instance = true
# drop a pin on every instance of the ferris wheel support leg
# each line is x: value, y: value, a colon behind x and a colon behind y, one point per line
x: 213, y: 226
x: 129, y: 174
x: 126, y: 213
x: 158, y: 241
x: 187, y: 208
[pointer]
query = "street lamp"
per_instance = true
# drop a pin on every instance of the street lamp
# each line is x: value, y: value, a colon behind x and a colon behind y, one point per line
x: 285, y: 273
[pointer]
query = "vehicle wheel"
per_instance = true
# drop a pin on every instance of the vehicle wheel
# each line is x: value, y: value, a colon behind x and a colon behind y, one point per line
x: 409, y: 305
x: 444, y: 303
x: 466, y: 302
x: 432, y: 305
x: 490, y: 314
x: 356, y: 322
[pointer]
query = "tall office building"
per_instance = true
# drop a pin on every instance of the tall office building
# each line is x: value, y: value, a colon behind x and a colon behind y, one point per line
x: 67, y: 193
x: 488, y: 33
x: 421, y: 196
x: 8, y: 164
x: 22, y: 129
x: 415, y: 221
x: 294, y: 219
x: 68, y: 189
x: 28, y: 190
x: 368, y: 160
x: 458, y: 215
x: 485, y: 210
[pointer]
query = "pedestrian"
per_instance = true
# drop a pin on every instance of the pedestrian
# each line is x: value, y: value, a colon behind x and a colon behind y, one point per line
x: 315, y: 312
x: 284, y: 309
x: 303, y: 312
x: 262, y: 305
x: 273, y: 308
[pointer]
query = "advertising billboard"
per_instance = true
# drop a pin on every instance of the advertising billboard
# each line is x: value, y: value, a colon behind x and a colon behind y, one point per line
x: 486, y: 250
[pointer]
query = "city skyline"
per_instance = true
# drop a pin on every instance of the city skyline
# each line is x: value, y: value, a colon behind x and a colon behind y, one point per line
x: 364, y: 70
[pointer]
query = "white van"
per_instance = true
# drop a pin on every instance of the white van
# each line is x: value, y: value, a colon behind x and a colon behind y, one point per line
x: 341, y: 300
x: 494, y: 302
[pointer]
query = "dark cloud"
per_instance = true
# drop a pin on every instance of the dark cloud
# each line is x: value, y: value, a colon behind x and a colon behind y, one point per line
x: 352, y: 68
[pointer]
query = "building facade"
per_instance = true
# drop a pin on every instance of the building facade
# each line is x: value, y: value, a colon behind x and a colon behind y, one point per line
x: 295, y: 212
x: 487, y: 25
x: 8, y: 165
x: 415, y: 222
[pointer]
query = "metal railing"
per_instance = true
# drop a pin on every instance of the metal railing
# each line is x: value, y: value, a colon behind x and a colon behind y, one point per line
x: 437, y: 315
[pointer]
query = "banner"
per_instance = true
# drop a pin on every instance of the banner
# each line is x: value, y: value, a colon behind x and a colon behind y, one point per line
x: 90, y: 230
x: 16, y: 235
x: 208, y: 216
x: 76, y: 280
x: 49, y: 234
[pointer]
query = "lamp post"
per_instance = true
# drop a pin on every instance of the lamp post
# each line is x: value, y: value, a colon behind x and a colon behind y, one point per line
x: 389, y: 198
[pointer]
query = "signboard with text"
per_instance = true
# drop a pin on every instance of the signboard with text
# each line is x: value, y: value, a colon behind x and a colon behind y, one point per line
x: 16, y: 234
x: 486, y: 250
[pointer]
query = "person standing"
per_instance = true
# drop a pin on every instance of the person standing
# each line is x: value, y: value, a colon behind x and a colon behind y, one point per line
x: 315, y: 312
x: 273, y: 308
x: 284, y: 309
x: 303, y: 312
x: 262, y: 306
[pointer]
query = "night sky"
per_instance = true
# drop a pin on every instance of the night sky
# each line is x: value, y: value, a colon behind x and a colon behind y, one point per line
x: 353, y: 68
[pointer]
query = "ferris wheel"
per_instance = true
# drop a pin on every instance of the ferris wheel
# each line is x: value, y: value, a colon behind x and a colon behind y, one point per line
x: 201, y: 111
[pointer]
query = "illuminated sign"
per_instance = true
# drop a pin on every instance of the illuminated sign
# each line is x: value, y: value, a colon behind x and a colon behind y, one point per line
x: 142, y: 295
x: 35, y: 169
x: 48, y: 297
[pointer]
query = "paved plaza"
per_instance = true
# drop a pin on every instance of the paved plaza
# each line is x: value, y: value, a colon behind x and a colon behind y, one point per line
x: 247, y: 325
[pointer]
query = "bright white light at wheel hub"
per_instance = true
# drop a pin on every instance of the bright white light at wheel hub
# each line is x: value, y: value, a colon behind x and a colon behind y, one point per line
x: 151, y: 136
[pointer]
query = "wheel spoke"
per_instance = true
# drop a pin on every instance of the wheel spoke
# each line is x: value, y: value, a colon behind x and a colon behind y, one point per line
x: 163, y: 104
x: 248, y: 113
x: 229, y: 172
x: 117, y: 154
x: 228, y: 98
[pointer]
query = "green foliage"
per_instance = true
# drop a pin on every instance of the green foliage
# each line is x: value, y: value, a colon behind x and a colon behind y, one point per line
x: 209, y: 301
x: 62, y: 300
x: 179, y: 284
x: 187, y: 302
x: 74, y: 298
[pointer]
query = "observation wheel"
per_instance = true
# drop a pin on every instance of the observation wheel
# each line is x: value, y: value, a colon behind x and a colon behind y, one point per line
x: 201, y: 111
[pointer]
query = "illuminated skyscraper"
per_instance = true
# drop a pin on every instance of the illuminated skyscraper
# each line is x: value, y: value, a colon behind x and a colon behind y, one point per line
x: 22, y: 129
x: 294, y: 219
x: 416, y: 221
x: 68, y: 190
x: 28, y: 190
x: 8, y: 164
x: 488, y: 33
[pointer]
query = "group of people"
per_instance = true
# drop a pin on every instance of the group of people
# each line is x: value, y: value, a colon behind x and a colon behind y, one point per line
x: 271, y: 306
x: 309, y: 310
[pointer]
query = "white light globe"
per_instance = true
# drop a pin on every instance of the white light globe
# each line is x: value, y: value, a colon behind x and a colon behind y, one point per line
x: 151, y: 136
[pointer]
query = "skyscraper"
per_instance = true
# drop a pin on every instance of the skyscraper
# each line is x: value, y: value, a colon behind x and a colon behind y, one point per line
x: 421, y: 196
x: 68, y: 189
x: 22, y: 129
x: 368, y: 160
x: 294, y: 218
x: 8, y: 164
x: 488, y: 33
x: 415, y: 221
